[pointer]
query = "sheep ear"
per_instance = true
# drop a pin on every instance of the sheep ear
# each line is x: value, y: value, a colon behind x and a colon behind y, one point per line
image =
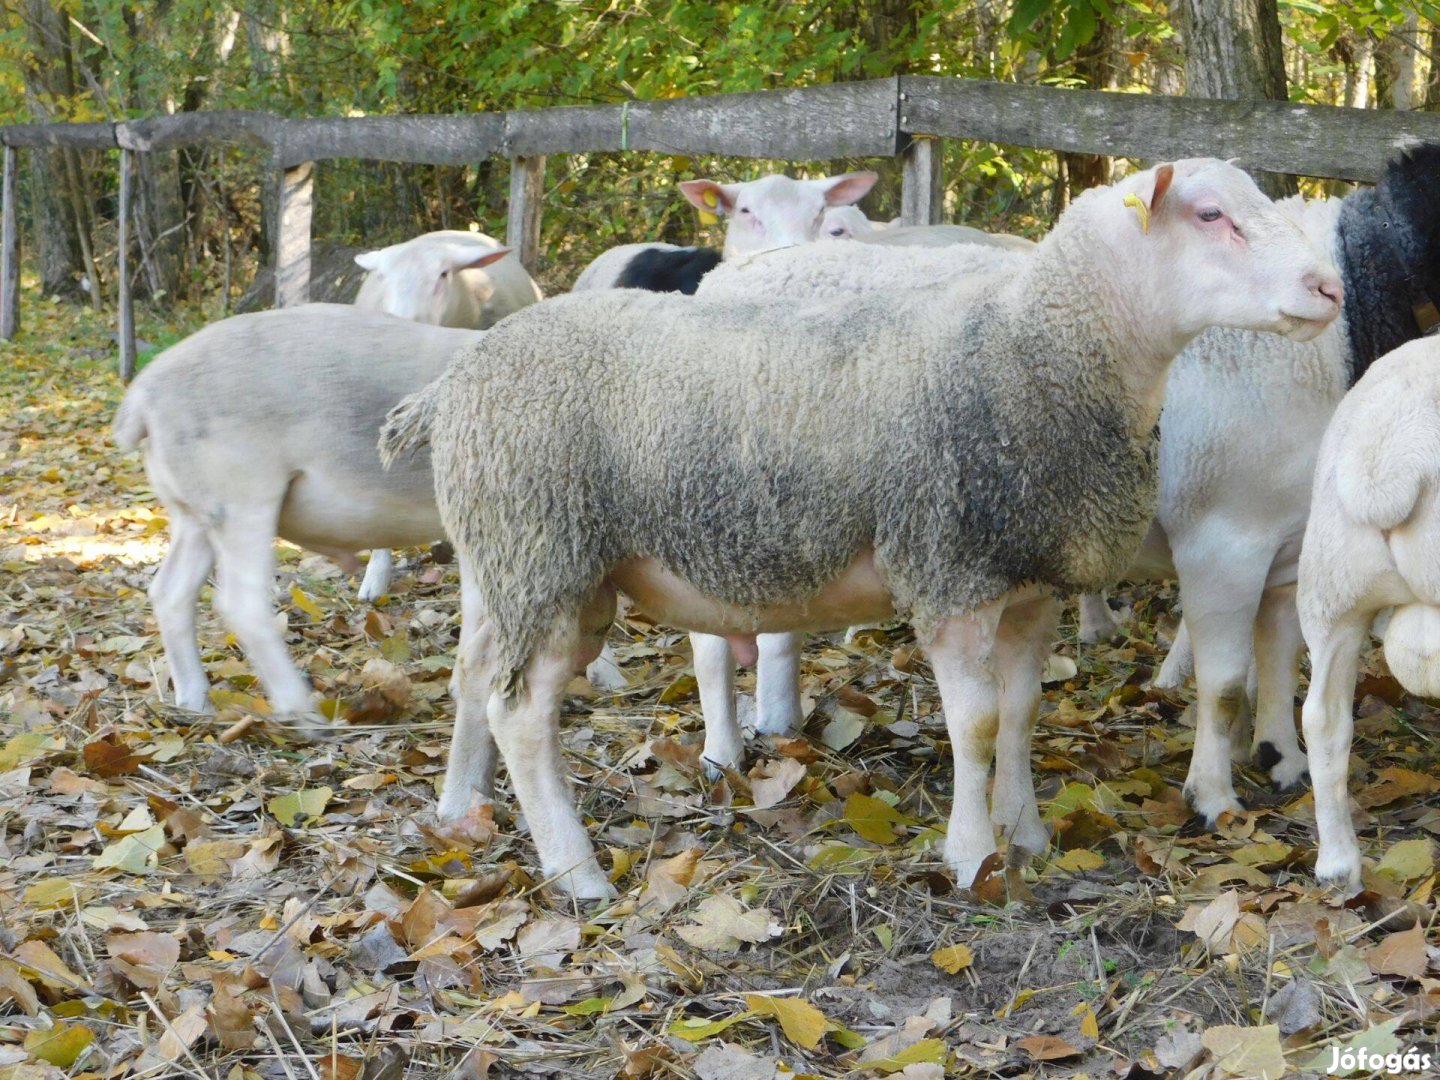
x: 1164, y: 174
x: 709, y: 197
x: 849, y: 188
x: 469, y: 260
x: 368, y: 260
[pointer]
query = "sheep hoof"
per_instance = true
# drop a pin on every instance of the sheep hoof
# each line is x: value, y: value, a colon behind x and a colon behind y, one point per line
x: 1285, y: 772
x: 1033, y: 837
x: 307, y: 727
x: 1340, y: 877
x: 586, y: 883
x: 1209, y: 807
x: 196, y: 702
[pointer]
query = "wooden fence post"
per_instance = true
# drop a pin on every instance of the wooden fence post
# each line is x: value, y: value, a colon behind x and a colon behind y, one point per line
x: 922, y: 195
x: 9, y: 251
x: 126, y: 301
x: 527, y: 195
x: 292, y: 241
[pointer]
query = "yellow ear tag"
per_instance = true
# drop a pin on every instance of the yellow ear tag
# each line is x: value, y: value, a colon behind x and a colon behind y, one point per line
x: 1141, y: 211
x: 711, y: 200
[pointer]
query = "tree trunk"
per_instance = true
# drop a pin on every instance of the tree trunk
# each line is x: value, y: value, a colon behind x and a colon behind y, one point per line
x: 47, y: 80
x: 1401, y: 66
x: 1233, y: 52
x: 1359, y: 72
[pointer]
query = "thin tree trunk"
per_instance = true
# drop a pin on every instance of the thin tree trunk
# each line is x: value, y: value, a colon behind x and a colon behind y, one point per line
x: 1233, y: 51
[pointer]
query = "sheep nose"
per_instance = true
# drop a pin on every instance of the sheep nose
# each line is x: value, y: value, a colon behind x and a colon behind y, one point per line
x: 1326, y: 285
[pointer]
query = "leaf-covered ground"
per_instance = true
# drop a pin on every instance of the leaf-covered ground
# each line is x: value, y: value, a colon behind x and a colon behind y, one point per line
x: 184, y: 896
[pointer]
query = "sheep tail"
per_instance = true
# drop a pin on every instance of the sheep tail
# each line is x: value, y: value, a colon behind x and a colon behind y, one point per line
x: 129, y: 426
x: 407, y: 426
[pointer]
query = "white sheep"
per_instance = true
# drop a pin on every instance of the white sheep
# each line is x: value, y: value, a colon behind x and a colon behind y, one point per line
x: 943, y: 236
x: 446, y: 278
x: 764, y: 214
x: 1373, y: 542
x: 1241, y: 429
x: 951, y: 463
x: 264, y: 425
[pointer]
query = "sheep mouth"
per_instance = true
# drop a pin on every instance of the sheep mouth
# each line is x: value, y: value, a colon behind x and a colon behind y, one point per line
x: 1303, y: 327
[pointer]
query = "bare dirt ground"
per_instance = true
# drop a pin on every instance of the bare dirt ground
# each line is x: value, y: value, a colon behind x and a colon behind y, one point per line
x: 198, y: 896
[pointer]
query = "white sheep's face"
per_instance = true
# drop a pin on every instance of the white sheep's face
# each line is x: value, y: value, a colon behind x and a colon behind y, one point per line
x: 430, y: 279
x: 775, y: 211
x: 845, y: 223
x: 1224, y: 253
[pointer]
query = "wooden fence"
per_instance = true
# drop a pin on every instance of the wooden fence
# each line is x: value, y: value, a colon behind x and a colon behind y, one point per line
x: 906, y: 115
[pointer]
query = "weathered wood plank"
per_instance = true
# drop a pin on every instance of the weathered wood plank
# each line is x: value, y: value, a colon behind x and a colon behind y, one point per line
x: 435, y: 140
x: 9, y: 249
x: 126, y: 302
x: 292, y: 241
x: 97, y: 136
x: 854, y: 119
x: 922, y: 191
x: 527, y: 197
x: 225, y: 127
x: 1311, y: 140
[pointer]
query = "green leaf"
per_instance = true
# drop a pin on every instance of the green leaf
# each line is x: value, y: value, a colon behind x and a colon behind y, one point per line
x: 924, y: 1052
x: 138, y: 853
x: 872, y: 818
x: 694, y: 1029
x: 60, y: 1046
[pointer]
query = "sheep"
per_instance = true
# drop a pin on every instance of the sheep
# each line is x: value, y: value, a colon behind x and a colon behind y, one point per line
x: 1239, y: 436
x: 770, y: 212
x: 953, y: 462
x: 1372, y: 542
x: 448, y: 278
x: 942, y: 236
x: 814, y: 271
x: 263, y: 425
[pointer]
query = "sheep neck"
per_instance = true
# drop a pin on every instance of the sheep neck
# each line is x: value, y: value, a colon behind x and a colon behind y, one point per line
x: 1102, y: 304
x: 1377, y: 302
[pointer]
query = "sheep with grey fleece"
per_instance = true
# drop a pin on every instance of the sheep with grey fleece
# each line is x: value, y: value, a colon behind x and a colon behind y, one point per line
x: 1372, y: 542
x: 953, y: 462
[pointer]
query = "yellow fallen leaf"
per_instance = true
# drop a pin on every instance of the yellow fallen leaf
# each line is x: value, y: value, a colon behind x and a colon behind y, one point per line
x: 1247, y: 1051
x: 696, y: 1028
x: 1409, y: 860
x: 873, y: 818
x: 60, y: 1045
x: 304, y: 603
x: 1079, y: 859
x: 954, y: 959
x: 802, y: 1022
x: 138, y: 853
x: 304, y: 805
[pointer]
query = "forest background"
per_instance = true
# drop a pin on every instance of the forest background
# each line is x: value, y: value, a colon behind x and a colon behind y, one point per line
x: 204, y: 216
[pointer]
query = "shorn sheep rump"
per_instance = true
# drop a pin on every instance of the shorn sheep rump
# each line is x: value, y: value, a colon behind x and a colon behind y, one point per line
x: 997, y: 448
x: 1373, y: 542
x: 264, y: 425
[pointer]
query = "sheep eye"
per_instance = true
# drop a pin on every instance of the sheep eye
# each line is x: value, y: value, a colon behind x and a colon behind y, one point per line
x: 837, y: 232
x: 744, y: 209
x: 1210, y: 214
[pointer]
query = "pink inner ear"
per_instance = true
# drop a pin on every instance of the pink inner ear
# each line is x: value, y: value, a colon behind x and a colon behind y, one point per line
x: 483, y: 260
x: 1163, y: 175
x: 850, y: 188
x: 694, y: 191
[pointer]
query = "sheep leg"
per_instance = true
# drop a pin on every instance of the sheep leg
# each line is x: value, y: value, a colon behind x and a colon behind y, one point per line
x: 1179, y: 663
x: 245, y: 546
x: 960, y: 655
x: 376, y: 582
x: 715, y: 674
x: 777, y: 684
x: 1221, y: 618
x: 527, y: 729
x: 470, y: 775
x: 1097, y: 621
x: 1277, y: 665
x: 1021, y: 648
x: 1326, y: 716
x: 173, y: 595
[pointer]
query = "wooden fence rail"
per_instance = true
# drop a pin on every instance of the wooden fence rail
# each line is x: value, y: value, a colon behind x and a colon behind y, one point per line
x: 908, y: 115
